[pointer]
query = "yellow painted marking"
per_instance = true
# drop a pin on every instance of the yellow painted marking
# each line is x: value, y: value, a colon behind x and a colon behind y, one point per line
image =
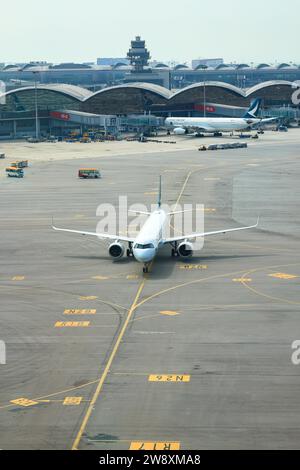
x: 169, y: 313
x: 242, y: 280
x: 212, y: 179
x: 108, y: 366
x: 100, y: 278
x: 283, y: 276
x: 72, y: 401
x: 80, y: 312
x: 18, y: 278
x: 91, y: 297
x: 24, y: 402
x: 193, y: 266
x: 151, y: 193
x: 207, y: 209
x: 169, y: 378
x: 72, y: 324
x: 132, y: 277
x: 155, y: 446
x: 79, y: 216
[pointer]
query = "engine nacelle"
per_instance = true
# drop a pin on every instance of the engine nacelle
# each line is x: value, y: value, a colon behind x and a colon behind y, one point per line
x: 116, y: 250
x: 179, y: 131
x: 185, y: 250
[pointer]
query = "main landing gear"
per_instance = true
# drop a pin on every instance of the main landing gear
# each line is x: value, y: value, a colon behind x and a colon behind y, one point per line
x: 174, y: 251
x: 129, y: 251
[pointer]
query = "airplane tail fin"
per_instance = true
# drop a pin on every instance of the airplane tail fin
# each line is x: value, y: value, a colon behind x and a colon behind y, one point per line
x: 159, y: 193
x: 253, y: 111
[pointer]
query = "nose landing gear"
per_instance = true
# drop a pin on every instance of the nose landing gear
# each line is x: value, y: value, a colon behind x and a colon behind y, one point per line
x: 146, y: 268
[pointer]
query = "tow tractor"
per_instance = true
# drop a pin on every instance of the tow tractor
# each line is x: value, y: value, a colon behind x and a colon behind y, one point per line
x: 14, y: 172
x: 19, y: 164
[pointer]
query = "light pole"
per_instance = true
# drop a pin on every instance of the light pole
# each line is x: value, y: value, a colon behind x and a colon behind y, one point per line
x: 204, y: 99
x: 204, y: 67
x: 36, y: 108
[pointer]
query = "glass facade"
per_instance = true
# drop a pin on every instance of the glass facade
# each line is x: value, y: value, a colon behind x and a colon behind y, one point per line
x: 24, y: 101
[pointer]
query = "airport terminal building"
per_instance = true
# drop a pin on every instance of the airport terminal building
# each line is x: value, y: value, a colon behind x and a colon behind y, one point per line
x: 95, y: 77
x: 58, y: 107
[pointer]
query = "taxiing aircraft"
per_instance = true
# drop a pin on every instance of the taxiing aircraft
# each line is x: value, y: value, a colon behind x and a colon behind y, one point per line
x: 215, y: 126
x: 150, y: 239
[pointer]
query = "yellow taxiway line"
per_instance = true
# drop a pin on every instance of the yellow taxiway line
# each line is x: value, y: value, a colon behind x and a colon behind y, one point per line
x: 107, y: 368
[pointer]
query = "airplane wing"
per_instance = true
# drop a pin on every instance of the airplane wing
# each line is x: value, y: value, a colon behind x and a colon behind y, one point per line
x: 203, y: 128
x: 269, y: 120
x: 94, y: 234
x: 207, y: 234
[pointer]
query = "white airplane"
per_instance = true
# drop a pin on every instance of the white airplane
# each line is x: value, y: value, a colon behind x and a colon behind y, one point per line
x: 182, y: 125
x: 150, y: 239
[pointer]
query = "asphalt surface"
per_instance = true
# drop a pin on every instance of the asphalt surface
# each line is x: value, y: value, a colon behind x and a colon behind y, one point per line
x: 224, y: 320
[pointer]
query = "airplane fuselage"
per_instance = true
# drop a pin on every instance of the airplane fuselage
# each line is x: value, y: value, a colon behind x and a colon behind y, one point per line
x: 150, y: 237
x: 211, y: 125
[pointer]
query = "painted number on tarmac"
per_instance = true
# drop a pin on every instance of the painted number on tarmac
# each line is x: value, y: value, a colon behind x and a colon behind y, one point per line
x: 242, y: 280
x: 170, y: 378
x: 198, y: 267
x: 80, y: 312
x: 72, y: 401
x: 155, y: 446
x: 283, y: 276
x: 72, y: 324
x: 24, y: 402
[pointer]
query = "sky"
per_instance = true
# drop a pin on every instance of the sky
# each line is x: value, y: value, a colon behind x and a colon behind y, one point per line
x: 174, y: 30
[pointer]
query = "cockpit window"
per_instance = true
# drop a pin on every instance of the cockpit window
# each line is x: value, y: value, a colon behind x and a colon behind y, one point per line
x: 144, y: 247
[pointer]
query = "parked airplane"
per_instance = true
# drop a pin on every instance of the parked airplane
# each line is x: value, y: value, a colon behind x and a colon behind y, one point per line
x: 145, y: 246
x: 183, y: 125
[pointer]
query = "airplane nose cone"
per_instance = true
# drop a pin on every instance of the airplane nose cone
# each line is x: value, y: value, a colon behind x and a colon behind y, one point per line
x: 144, y: 256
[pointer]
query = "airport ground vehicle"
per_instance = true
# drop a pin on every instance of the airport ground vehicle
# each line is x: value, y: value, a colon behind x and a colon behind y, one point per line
x: 89, y: 173
x: 2, y: 155
x: 282, y: 128
x: 85, y: 139
x: 20, y: 164
x: 13, y: 172
x: 233, y: 145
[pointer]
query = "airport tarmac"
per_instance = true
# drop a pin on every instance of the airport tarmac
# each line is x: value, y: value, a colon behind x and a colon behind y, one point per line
x: 194, y: 355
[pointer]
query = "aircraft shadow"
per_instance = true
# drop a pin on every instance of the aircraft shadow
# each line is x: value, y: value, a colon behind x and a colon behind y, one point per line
x: 165, y: 265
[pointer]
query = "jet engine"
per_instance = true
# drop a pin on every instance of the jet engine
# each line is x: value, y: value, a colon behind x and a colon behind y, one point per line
x: 179, y: 131
x: 116, y: 250
x: 185, y: 250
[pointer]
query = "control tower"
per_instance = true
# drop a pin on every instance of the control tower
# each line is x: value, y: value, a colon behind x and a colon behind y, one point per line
x: 138, y: 55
